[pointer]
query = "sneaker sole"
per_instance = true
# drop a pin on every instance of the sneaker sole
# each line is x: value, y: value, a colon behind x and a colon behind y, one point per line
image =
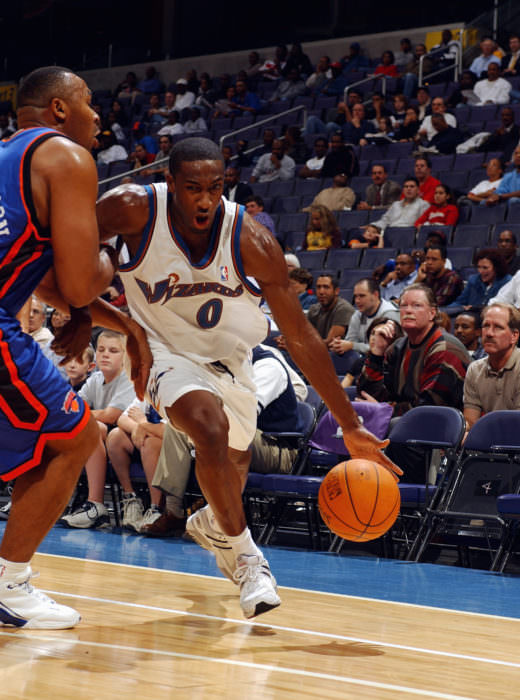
x: 263, y: 607
x: 51, y: 625
x: 102, y: 523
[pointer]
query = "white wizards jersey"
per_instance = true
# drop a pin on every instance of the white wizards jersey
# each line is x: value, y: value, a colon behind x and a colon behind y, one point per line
x: 207, y: 311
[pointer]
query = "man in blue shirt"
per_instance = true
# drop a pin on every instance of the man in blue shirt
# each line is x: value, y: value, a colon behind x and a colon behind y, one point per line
x: 509, y: 188
x: 245, y: 101
x: 398, y: 279
x: 481, y: 63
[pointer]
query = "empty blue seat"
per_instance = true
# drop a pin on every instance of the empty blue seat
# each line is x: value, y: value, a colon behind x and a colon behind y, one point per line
x: 471, y: 235
x: 312, y: 259
x: 339, y: 258
x: 468, y: 161
x: 373, y: 257
x: 488, y: 215
x: 348, y: 220
x: 287, y: 205
x: 460, y: 257
x: 292, y: 222
x: 401, y: 237
x: 281, y: 188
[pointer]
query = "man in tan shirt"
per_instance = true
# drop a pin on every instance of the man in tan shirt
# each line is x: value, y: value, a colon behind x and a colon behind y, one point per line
x: 493, y: 383
x: 337, y: 197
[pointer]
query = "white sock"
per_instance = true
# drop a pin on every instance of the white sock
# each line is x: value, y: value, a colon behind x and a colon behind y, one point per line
x: 174, y: 505
x: 244, y: 544
x: 10, y: 569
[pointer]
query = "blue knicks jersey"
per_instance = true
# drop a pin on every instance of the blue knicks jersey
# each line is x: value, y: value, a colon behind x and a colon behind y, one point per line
x: 25, y: 249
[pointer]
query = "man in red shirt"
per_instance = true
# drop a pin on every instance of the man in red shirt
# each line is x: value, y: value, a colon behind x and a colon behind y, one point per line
x: 427, y: 183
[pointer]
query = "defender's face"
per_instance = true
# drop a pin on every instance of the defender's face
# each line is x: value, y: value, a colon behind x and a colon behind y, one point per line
x: 82, y: 122
x: 197, y: 188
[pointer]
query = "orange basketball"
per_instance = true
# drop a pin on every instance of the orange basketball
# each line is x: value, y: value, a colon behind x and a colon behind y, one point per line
x: 359, y: 500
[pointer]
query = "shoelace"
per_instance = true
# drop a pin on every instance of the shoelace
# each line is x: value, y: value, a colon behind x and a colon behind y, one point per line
x: 25, y: 584
x: 248, y: 572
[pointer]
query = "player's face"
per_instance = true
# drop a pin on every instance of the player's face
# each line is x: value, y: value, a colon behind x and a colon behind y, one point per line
x: 82, y: 124
x: 197, y: 188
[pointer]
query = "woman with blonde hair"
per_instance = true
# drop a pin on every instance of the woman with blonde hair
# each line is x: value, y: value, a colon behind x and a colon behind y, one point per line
x: 322, y: 229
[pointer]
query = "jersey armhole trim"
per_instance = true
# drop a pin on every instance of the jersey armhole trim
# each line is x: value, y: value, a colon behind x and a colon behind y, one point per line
x: 146, y: 237
x: 248, y: 282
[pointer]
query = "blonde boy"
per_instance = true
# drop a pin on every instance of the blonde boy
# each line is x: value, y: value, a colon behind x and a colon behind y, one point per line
x: 108, y: 392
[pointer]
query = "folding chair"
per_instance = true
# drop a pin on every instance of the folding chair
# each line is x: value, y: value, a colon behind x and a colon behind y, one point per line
x: 261, y: 502
x: 425, y: 428
x: 466, y: 516
x: 508, y: 507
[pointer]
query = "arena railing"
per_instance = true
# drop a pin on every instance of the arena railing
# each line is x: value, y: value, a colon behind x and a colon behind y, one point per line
x: 456, y: 66
x: 369, y: 79
x: 267, y: 120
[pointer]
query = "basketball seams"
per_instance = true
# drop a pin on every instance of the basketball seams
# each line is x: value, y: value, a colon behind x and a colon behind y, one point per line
x: 340, y: 491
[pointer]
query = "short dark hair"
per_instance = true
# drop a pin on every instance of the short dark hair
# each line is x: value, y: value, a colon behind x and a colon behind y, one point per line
x: 441, y: 248
x: 255, y: 198
x: 424, y: 157
x: 372, y: 285
x: 300, y: 274
x: 513, y: 235
x: 411, y: 178
x: 193, y: 149
x: 475, y: 317
x: 378, y: 165
x: 333, y: 279
x: 41, y: 85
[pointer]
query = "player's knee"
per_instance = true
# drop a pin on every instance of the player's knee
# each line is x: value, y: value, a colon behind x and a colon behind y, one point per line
x: 209, y: 431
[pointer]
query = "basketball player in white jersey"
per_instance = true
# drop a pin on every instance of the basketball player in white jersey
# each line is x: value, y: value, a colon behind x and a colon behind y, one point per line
x: 199, y: 267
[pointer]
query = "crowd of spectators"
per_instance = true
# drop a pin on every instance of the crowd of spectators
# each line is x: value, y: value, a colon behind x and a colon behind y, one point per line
x: 387, y: 324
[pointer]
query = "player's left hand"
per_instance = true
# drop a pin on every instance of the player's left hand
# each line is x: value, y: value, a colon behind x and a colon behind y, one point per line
x: 140, y: 357
x: 74, y: 336
x: 363, y: 445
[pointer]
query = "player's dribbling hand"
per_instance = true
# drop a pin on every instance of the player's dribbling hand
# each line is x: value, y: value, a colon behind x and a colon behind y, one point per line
x: 363, y: 445
x: 140, y: 357
x: 74, y: 336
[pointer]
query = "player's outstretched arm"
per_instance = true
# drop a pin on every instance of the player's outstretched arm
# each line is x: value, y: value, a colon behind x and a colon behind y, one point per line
x: 77, y: 336
x: 64, y: 188
x: 264, y: 260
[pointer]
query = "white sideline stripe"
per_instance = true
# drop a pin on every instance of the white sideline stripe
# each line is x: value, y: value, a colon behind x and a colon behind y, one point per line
x: 296, y: 630
x: 434, y: 608
x: 245, y: 664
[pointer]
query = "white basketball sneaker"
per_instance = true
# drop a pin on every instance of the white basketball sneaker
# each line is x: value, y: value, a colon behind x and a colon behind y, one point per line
x: 132, y: 512
x: 257, y: 585
x: 200, y: 527
x: 21, y: 605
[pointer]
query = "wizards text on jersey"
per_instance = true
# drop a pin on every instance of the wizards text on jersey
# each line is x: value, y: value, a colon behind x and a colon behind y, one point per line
x: 165, y: 289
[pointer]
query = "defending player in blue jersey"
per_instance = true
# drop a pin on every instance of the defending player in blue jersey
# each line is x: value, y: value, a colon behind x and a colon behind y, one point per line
x: 49, y: 241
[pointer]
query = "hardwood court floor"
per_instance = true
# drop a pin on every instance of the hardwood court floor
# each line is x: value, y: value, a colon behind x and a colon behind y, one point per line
x: 150, y: 633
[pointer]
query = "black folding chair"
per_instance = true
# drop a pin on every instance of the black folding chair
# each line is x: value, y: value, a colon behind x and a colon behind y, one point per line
x: 466, y: 515
x: 425, y: 429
